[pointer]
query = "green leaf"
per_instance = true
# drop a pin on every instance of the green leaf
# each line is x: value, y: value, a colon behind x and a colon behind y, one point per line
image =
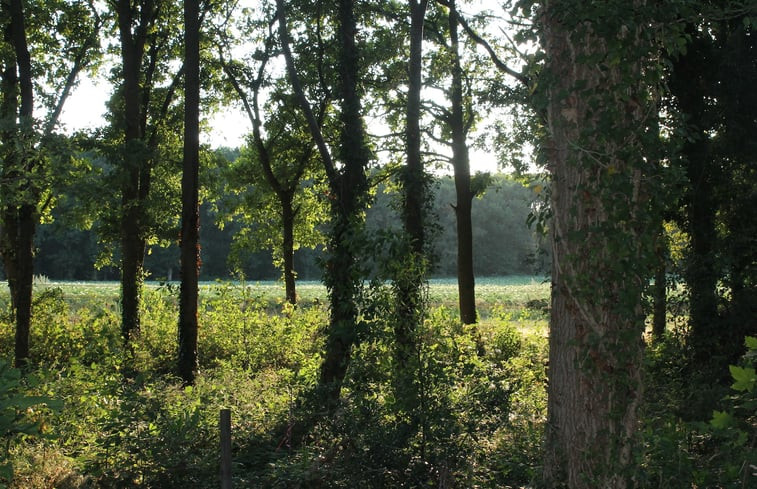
x: 744, y: 378
x: 751, y: 342
x: 722, y: 420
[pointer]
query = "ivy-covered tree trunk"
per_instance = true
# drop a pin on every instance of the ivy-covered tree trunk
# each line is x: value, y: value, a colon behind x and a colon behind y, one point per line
x: 348, y: 187
x: 344, y: 274
x: 466, y: 282
x: 190, y: 208
x: 134, y: 180
x: 19, y: 202
x: 410, y: 268
x: 602, y: 236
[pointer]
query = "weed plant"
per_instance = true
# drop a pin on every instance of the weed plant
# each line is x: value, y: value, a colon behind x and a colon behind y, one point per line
x: 480, y: 423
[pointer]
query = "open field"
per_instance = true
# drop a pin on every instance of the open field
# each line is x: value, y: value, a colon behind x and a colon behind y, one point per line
x: 493, y: 293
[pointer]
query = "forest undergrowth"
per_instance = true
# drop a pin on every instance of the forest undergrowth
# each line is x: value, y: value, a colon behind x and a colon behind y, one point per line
x: 76, y: 421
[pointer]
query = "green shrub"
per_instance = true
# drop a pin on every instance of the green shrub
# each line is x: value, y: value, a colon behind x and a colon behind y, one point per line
x: 21, y: 415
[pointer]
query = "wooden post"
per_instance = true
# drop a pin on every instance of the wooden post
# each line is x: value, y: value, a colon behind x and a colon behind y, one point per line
x: 225, y: 426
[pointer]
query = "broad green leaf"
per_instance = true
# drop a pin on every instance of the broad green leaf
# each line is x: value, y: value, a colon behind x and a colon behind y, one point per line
x: 722, y: 420
x: 744, y: 378
x: 751, y: 342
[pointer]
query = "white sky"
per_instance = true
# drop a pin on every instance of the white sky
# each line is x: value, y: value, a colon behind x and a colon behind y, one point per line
x: 86, y: 106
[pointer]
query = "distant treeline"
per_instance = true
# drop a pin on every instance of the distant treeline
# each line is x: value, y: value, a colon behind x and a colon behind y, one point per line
x: 503, y: 243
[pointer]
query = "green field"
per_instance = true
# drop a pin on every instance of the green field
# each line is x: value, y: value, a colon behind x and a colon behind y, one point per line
x: 492, y: 293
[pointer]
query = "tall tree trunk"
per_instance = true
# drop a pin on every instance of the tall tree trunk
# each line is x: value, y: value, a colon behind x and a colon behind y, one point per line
x: 19, y: 211
x: 414, y: 176
x: 19, y: 204
x: 288, y: 215
x: 410, y: 275
x: 190, y: 208
x: 701, y: 271
x: 691, y: 86
x: 600, y: 222
x: 466, y: 282
x: 132, y: 234
x: 344, y: 275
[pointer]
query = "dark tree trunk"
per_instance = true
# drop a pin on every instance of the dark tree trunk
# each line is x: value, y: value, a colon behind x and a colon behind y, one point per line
x: 344, y: 275
x: 414, y: 176
x: 701, y: 271
x: 410, y: 275
x: 288, y: 215
x: 660, y: 291
x: 691, y: 86
x: 18, y: 258
x: 190, y: 208
x: 466, y: 282
x: 348, y: 186
x: 132, y: 234
x: 19, y: 213
x: 27, y: 219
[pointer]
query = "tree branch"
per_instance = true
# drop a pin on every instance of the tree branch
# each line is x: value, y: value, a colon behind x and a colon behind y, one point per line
x: 294, y: 79
x: 483, y: 43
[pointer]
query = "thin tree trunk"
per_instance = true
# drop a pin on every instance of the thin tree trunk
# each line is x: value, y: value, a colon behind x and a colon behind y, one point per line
x: 287, y: 218
x: 660, y: 291
x: 466, y: 282
x: 190, y: 211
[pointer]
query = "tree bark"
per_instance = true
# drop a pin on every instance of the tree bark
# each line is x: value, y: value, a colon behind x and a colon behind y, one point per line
x: 343, y: 265
x: 19, y: 213
x: 348, y: 187
x: 660, y: 291
x: 190, y: 207
x: 701, y: 272
x: 466, y: 282
x: 414, y: 181
x: 601, y: 260
x: 132, y: 241
x: 288, y: 215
